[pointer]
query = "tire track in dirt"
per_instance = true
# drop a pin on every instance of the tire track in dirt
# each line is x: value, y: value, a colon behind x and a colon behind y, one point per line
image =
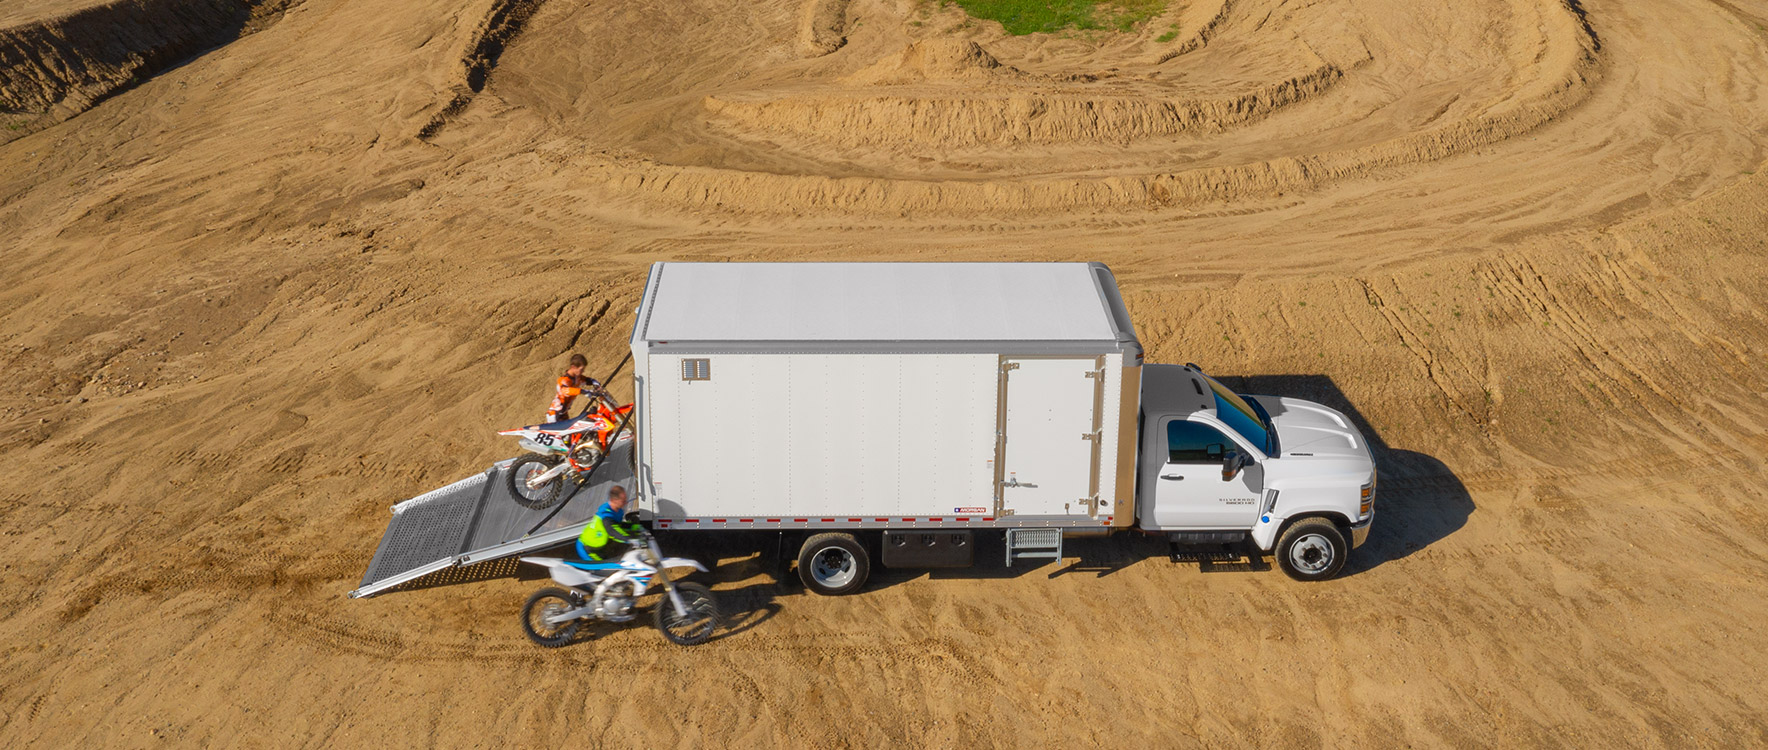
x: 1200, y: 36
x: 496, y: 29
x: 927, y: 119
x: 1532, y: 294
x: 234, y: 577
x: 1407, y: 330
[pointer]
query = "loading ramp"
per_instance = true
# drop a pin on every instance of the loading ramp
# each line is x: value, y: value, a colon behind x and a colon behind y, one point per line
x: 476, y: 520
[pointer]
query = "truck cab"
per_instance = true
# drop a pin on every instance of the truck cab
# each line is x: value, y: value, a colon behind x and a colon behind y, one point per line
x: 1292, y: 477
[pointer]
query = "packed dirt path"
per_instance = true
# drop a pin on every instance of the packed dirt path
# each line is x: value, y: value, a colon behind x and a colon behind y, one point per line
x: 253, y: 297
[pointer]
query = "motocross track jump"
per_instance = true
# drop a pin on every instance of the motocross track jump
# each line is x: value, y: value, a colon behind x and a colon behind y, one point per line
x: 273, y: 265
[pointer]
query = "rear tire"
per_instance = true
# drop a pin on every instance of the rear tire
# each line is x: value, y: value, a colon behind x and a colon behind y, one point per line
x: 701, y: 622
x: 546, y: 602
x: 1312, y: 549
x: 833, y: 564
x: 517, y: 475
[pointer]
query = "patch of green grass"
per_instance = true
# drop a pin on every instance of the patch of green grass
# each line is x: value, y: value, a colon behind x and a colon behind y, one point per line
x: 1172, y: 33
x: 1020, y: 17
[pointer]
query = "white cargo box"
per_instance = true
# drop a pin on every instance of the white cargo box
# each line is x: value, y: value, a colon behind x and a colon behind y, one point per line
x: 872, y: 395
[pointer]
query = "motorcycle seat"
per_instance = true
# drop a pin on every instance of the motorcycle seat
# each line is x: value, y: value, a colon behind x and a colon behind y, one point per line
x: 587, y: 565
x: 565, y: 426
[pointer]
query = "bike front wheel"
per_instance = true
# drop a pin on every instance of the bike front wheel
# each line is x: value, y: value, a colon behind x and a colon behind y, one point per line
x: 695, y: 626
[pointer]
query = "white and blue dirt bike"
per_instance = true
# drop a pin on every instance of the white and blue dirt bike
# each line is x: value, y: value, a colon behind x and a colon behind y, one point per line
x: 609, y: 591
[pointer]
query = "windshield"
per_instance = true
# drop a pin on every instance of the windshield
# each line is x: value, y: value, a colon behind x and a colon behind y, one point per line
x: 1248, y: 419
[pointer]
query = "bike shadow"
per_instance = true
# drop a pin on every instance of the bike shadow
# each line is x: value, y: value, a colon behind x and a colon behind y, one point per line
x: 741, y: 579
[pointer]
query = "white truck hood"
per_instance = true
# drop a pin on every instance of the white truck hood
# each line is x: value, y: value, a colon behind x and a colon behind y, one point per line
x: 1305, y: 428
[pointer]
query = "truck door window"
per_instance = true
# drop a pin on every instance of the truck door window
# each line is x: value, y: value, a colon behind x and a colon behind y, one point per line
x: 1195, y: 443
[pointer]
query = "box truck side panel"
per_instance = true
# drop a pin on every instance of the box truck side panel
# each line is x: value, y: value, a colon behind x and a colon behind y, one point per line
x: 948, y: 452
x: 820, y: 435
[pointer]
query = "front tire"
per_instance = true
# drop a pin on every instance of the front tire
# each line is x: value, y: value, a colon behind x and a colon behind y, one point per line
x: 700, y: 622
x: 539, y: 498
x: 545, y: 603
x: 833, y: 564
x: 1313, y: 549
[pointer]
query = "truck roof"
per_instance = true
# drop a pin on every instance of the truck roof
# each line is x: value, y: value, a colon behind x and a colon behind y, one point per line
x: 882, y: 302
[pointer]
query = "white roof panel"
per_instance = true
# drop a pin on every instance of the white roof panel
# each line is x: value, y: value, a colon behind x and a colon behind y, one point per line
x: 876, y: 302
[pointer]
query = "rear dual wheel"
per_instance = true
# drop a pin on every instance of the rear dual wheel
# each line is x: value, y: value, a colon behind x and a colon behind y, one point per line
x: 833, y: 564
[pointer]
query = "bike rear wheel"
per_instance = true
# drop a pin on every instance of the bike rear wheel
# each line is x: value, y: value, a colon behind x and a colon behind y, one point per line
x: 546, y: 603
x: 534, y: 498
x: 698, y: 624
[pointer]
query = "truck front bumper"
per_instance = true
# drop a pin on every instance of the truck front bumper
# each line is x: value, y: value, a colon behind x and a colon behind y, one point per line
x: 1360, y: 532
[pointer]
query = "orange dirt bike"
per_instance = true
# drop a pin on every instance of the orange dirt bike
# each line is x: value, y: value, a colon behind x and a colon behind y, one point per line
x: 564, y: 451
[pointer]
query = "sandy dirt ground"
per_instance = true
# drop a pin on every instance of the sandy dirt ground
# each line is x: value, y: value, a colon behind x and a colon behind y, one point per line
x: 252, y: 297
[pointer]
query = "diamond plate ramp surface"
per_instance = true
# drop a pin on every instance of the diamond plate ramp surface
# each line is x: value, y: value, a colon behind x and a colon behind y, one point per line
x: 437, y: 530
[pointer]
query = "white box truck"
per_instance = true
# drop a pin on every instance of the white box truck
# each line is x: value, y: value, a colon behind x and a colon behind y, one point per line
x: 893, y: 411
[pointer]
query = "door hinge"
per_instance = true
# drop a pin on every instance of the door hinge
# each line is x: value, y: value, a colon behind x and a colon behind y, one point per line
x: 1005, y: 366
x: 1094, y: 435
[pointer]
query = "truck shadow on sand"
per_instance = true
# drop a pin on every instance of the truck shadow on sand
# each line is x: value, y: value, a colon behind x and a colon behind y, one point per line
x: 1419, y: 501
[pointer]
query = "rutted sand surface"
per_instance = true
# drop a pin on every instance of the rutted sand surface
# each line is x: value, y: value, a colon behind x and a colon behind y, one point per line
x: 258, y: 297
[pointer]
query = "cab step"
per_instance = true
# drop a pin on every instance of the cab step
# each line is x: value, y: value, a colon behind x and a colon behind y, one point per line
x: 1211, y: 553
x: 1215, y: 551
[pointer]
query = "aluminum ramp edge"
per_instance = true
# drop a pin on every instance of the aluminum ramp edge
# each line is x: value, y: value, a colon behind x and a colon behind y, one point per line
x: 409, y: 575
x: 477, y: 520
x: 538, y: 541
x: 524, y: 544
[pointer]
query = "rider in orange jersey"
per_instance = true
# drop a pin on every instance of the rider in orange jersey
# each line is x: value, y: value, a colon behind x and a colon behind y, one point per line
x: 571, y: 385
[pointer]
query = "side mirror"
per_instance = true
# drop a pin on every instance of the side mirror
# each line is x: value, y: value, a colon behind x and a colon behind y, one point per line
x: 1232, y: 464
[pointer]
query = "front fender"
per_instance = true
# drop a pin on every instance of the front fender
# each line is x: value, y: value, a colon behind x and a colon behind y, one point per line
x: 1270, y: 524
x: 683, y: 562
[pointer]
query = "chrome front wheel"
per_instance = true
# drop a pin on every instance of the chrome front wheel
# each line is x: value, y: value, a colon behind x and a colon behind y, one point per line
x: 1313, y: 549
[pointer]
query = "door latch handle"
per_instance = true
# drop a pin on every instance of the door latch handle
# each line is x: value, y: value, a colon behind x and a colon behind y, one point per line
x: 1172, y: 476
